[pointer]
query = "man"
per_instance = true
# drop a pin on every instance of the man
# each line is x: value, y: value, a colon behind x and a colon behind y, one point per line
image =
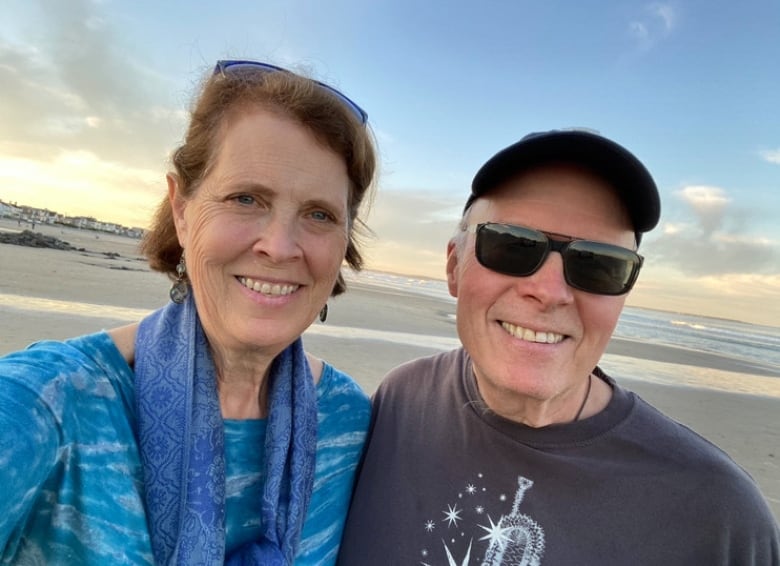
x: 517, y: 448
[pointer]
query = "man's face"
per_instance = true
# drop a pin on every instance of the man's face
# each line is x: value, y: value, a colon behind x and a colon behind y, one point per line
x: 499, y: 316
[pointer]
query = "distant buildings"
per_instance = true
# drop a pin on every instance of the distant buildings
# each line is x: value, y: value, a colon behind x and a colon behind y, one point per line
x: 7, y: 210
x: 31, y: 215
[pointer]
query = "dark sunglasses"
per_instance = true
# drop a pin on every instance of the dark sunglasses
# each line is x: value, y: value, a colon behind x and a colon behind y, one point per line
x: 593, y: 267
x: 226, y: 66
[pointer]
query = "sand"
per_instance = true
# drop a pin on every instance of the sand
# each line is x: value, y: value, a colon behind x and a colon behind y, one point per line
x: 54, y: 294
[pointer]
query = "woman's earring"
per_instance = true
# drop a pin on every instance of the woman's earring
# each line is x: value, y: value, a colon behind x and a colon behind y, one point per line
x: 324, y: 313
x: 180, y: 289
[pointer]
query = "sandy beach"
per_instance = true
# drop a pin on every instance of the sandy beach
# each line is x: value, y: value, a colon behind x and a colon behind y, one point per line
x: 55, y: 294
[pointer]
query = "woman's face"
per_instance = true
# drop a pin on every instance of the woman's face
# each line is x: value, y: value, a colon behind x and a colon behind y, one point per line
x: 265, y: 233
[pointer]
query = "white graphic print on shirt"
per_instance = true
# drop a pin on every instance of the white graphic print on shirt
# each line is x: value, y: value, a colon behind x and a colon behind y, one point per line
x: 514, y: 540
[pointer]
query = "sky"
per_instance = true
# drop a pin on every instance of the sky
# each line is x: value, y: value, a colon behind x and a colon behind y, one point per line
x: 94, y: 96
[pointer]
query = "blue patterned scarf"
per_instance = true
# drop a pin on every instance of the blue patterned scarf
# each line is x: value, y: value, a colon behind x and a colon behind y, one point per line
x: 181, y: 438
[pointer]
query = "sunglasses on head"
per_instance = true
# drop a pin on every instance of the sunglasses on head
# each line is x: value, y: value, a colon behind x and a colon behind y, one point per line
x: 589, y: 266
x: 227, y: 66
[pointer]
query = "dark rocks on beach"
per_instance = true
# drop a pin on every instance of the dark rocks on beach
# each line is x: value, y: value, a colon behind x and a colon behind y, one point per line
x: 34, y: 240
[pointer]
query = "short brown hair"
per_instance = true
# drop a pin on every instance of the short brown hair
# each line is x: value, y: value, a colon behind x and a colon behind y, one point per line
x: 291, y: 95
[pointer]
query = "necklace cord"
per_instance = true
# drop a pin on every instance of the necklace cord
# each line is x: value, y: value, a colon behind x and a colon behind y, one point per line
x: 585, y: 400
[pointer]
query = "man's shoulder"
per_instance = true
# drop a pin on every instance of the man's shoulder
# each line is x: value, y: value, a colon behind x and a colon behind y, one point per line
x: 702, y: 458
x: 719, y: 494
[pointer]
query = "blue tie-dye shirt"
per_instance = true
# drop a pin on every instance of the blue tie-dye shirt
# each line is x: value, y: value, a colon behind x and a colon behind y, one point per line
x: 71, y: 488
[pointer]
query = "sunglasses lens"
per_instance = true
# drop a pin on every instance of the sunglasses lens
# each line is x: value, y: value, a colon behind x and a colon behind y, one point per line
x: 511, y: 250
x: 600, y: 268
x: 595, y: 267
x: 244, y: 66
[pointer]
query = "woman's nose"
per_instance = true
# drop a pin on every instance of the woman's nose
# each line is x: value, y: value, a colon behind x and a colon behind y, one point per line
x: 278, y: 239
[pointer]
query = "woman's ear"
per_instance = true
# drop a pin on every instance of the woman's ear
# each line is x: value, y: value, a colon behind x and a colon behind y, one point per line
x: 452, y: 267
x: 178, y: 205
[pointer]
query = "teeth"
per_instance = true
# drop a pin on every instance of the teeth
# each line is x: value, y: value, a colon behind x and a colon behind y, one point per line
x: 530, y: 336
x: 267, y: 288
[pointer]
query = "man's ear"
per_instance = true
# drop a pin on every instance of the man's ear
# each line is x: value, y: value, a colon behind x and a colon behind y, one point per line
x: 452, y: 267
x: 178, y: 205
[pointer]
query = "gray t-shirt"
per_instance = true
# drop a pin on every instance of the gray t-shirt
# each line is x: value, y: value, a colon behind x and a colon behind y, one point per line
x: 446, y: 482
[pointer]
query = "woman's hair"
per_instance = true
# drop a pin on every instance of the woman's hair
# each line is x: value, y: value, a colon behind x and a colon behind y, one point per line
x: 228, y: 93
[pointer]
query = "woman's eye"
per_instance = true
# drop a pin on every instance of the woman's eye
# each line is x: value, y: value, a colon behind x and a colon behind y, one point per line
x: 321, y: 216
x: 245, y: 199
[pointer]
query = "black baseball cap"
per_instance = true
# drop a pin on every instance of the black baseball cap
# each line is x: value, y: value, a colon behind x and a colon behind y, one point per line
x: 610, y: 160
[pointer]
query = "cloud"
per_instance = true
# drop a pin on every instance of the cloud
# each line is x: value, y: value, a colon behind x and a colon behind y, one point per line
x: 764, y: 288
x: 771, y: 155
x: 75, y: 85
x: 664, y: 14
x: 86, y: 128
x: 715, y: 242
x: 743, y: 296
x: 707, y: 203
x: 411, y: 231
x: 708, y: 257
x: 656, y: 22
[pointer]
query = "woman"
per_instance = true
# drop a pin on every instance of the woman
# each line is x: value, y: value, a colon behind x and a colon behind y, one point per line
x: 204, y: 434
